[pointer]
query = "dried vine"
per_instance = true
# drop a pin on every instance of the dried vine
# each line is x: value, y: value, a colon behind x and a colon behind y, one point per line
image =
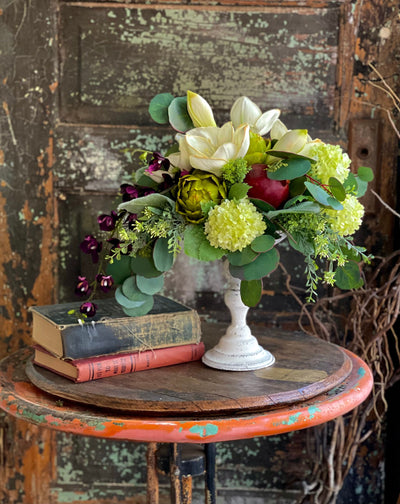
x: 367, y: 329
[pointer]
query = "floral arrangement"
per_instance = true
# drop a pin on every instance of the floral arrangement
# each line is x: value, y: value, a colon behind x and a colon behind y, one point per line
x: 232, y: 191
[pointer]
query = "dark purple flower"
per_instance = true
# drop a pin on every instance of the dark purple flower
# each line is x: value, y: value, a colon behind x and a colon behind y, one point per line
x: 82, y: 287
x: 107, y: 222
x: 105, y: 281
x: 88, y: 308
x: 91, y: 246
x: 128, y: 192
x: 158, y: 162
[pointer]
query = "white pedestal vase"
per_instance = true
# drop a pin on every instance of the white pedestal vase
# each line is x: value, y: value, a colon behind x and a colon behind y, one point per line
x: 238, y: 349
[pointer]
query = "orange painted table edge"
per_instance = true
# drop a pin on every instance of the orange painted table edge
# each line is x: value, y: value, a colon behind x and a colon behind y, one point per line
x: 23, y: 400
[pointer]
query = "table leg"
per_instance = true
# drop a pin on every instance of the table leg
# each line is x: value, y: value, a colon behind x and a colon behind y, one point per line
x: 152, y: 475
x: 175, y: 473
x: 210, y: 454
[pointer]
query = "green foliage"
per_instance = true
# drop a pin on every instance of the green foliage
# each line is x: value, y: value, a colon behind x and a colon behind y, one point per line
x: 263, y: 243
x: 119, y: 269
x: 144, y: 266
x: 163, y: 259
x: 323, y: 196
x: 238, y: 191
x: 156, y: 200
x: 242, y: 257
x: 150, y: 285
x: 290, y: 169
x: 196, y: 245
x: 365, y: 174
x: 250, y: 292
x: 348, y: 276
x: 158, y: 108
x: 235, y: 171
x: 337, y: 189
x: 178, y: 115
x: 263, y: 265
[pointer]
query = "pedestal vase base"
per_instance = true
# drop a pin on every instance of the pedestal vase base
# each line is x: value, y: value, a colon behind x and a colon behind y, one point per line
x: 218, y: 359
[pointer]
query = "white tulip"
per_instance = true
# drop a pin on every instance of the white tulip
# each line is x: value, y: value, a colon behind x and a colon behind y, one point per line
x: 199, y: 110
x: 245, y: 111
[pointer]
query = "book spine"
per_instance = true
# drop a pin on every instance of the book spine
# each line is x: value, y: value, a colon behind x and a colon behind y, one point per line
x: 131, y: 335
x: 111, y: 365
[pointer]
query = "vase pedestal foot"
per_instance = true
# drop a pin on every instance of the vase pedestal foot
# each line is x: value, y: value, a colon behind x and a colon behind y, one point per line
x: 258, y: 358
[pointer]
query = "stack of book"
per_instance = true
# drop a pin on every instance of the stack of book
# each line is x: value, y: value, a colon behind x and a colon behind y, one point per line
x: 111, y: 343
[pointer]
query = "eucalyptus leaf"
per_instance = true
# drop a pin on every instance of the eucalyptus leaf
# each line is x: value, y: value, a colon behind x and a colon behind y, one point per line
x: 348, y: 276
x: 129, y: 288
x: 250, y: 292
x: 337, y: 189
x: 242, y: 257
x: 129, y: 303
x: 362, y: 187
x: 158, y: 108
x: 297, y: 187
x: 263, y: 265
x: 291, y: 169
x: 262, y: 205
x: 238, y: 191
x: 140, y: 310
x: 178, y: 114
x: 289, y: 155
x: 365, y: 174
x: 304, y: 207
x: 319, y: 194
x: 150, y: 285
x: 144, y: 266
x: 163, y: 258
x: 350, y: 184
x: 120, y: 269
x: 136, y: 206
x: 262, y: 243
x: 335, y: 204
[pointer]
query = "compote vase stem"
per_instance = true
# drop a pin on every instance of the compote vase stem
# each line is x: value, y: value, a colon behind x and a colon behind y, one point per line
x: 238, y: 349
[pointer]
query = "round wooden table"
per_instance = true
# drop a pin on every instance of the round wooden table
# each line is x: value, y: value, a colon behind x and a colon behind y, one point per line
x: 191, y: 403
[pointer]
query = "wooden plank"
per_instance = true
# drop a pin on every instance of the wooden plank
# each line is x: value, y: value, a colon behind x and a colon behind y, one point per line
x: 305, y: 367
x: 285, y: 58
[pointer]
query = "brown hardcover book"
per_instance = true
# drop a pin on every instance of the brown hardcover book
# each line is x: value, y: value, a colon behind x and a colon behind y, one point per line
x: 168, y: 324
x: 93, y: 368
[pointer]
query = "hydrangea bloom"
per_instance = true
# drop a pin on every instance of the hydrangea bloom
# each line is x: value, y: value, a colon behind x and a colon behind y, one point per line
x: 233, y: 225
x: 345, y: 222
x: 331, y: 162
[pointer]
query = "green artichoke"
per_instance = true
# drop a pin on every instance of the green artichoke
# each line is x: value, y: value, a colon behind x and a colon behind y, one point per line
x: 196, y: 188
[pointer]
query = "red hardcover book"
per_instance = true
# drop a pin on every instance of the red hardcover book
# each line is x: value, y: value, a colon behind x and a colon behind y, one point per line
x: 93, y: 368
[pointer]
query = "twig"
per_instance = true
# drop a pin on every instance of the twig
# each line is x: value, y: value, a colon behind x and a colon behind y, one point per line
x: 388, y: 207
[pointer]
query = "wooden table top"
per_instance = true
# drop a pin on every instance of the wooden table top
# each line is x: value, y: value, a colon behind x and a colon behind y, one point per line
x: 305, y: 366
x: 20, y: 398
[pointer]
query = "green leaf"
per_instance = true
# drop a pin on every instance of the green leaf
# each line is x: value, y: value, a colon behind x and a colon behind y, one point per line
x: 337, y: 189
x: 297, y: 187
x: 320, y: 194
x: 120, y: 269
x: 238, y: 191
x: 362, y: 187
x: 305, y: 207
x: 348, y: 276
x: 335, y: 204
x: 300, y: 243
x: 163, y: 258
x: 158, y: 107
x: 143, y: 180
x: 242, y: 257
x: 365, y: 174
x: 262, y: 205
x: 196, y: 245
x: 289, y: 155
x: 291, y: 169
x: 150, y: 285
x: 137, y: 205
x: 126, y: 302
x: 262, y: 243
x: 297, y: 199
x: 144, y: 266
x: 178, y: 114
x: 260, y: 267
x: 350, y: 184
x: 250, y: 292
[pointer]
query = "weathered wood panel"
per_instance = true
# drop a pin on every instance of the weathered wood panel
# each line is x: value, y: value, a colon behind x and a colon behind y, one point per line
x: 115, y: 59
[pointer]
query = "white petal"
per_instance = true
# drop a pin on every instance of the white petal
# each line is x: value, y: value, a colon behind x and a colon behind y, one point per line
x: 244, y: 111
x: 292, y: 141
x: 209, y: 165
x: 242, y: 140
x: 278, y: 130
x: 225, y: 152
x: 200, y: 146
x: 199, y: 110
x: 225, y: 134
x: 265, y: 122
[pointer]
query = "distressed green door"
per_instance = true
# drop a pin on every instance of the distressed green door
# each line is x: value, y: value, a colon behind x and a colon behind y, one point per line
x: 76, y: 79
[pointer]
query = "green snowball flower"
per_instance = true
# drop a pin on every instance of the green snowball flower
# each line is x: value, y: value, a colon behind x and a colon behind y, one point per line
x: 233, y: 225
x: 195, y: 189
x: 346, y: 221
x: 331, y: 162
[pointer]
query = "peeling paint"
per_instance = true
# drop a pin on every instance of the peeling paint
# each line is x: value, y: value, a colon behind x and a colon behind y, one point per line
x: 204, y: 430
